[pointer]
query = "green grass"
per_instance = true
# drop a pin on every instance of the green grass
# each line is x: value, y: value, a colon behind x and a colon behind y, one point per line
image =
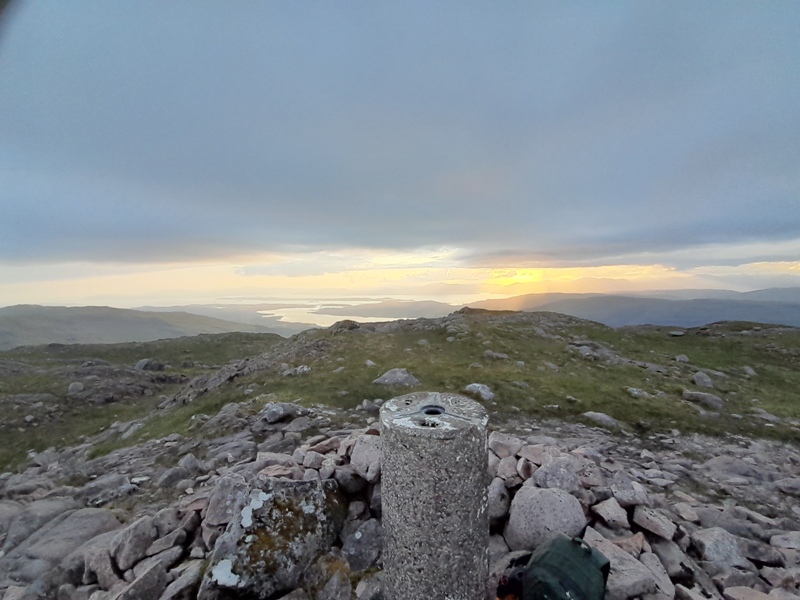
x: 445, y: 366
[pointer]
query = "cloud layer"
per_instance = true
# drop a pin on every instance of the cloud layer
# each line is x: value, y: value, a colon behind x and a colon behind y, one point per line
x: 531, y: 135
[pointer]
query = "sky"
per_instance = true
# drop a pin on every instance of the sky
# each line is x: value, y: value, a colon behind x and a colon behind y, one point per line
x: 187, y: 151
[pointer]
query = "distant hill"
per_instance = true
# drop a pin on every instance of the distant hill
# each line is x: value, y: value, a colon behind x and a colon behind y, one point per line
x: 780, y: 306
x: 27, y: 325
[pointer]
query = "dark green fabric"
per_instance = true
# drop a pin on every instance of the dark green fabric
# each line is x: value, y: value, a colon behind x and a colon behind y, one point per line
x: 564, y: 568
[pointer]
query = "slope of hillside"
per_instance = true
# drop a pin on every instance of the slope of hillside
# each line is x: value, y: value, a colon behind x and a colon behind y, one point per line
x: 27, y: 325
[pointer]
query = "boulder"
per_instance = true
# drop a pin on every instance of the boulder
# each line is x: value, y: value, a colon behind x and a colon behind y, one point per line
x: 281, y: 530
x: 366, y: 457
x: 558, y: 473
x: 537, y: 514
x: 602, y: 419
x: 130, y: 545
x: 717, y: 546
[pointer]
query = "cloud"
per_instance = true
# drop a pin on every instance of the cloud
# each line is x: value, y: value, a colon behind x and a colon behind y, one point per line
x: 527, y: 136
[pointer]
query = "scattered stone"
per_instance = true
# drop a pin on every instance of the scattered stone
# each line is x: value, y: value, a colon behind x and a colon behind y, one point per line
x: 363, y: 547
x: 649, y: 519
x: 708, y: 400
x: 479, y: 390
x: 602, y: 419
x: 397, y: 378
x: 702, y: 379
x: 612, y: 513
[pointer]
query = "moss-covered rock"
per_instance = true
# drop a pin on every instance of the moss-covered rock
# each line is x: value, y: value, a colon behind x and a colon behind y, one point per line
x: 283, y: 528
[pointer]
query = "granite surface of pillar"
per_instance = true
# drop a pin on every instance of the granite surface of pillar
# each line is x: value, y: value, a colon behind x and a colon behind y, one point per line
x: 434, y: 488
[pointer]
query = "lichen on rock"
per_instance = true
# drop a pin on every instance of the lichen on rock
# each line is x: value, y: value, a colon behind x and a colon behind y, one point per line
x: 284, y: 527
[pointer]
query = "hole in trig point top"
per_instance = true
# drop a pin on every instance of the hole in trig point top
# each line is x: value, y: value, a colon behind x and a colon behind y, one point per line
x: 432, y: 409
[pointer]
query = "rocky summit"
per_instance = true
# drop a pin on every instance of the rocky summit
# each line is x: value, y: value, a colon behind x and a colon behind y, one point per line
x: 239, y: 481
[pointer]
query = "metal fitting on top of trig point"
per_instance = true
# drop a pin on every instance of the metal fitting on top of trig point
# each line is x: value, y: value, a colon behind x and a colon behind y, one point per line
x: 434, y: 497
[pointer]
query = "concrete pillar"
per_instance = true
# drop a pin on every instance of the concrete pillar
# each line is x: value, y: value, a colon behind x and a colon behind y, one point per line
x: 434, y: 488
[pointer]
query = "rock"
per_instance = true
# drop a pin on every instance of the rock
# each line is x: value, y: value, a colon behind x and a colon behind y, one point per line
x: 99, y: 567
x: 720, y: 547
x: 749, y: 372
x: 744, y: 593
x: 633, y: 545
x: 790, y: 540
x: 76, y: 387
x: 149, y: 364
x: 274, y: 412
x: 479, y: 390
x: 499, y: 501
x: 175, y: 538
x: 363, y: 547
x: 538, y: 514
x: 32, y: 517
x: 664, y: 586
x: 612, y: 513
x: 106, y: 488
x: 149, y: 584
x: 525, y: 468
x: 397, y: 378
x: 191, y: 465
x: 728, y: 467
x: 507, y: 468
x: 186, y: 583
x: 282, y: 529
x: 497, y: 548
x: 130, y: 545
x: 649, y: 519
x: 602, y: 419
x: 708, y: 400
x: 79, y: 527
x: 702, y: 380
x: 171, y: 477
x: 628, y: 577
x: 789, y: 486
x: 628, y: 493
x: 766, y: 416
x: 676, y: 563
x: 558, y: 473
x: 492, y: 355
x: 348, y: 480
x: 686, y: 512
x: 298, y: 424
x: 504, y: 445
x: 225, y: 501
x: 366, y: 457
x: 338, y: 587
x: 167, y: 520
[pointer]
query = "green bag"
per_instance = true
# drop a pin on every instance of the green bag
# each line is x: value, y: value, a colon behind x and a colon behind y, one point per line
x: 562, y: 568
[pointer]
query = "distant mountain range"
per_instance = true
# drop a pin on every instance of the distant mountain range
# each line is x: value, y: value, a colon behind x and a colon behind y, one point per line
x: 678, y: 308
x: 32, y: 325
x: 29, y: 325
